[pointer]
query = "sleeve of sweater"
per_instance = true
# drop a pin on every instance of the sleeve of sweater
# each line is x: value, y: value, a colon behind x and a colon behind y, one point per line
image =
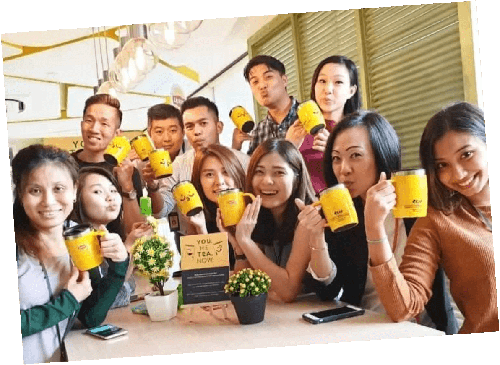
x: 40, y: 317
x: 104, y: 291
x: 404, y: 291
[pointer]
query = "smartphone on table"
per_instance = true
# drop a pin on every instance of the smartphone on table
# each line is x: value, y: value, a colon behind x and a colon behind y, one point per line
x: 106, y: 331
x: 333, y: 314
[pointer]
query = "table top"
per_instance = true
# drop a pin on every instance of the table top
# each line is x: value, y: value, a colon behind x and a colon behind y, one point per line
x: 197, y: 329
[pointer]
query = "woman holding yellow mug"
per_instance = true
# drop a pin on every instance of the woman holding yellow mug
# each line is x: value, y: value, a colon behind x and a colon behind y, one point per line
x: 215, y: 169
x: 52, y: 292
x: 456, y: 233
x: 360, y: 148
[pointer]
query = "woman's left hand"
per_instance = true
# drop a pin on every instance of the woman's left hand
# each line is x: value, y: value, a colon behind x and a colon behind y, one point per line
x: 320, y: 140
x: 199, y: 222
x: 296, y: 133
x: 380, y: 199
x: 139, y: 229
x: 246, y: 225
x: 112, y: 247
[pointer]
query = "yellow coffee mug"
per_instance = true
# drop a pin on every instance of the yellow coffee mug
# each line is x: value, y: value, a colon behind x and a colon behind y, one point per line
x: 241, y: 119
x: 161, y: 163
x: 411, y: 193
x: 232, y: 205
x: 187, y: 198
x: 338, y: 208
x: 83, y: 246
x: 311, y: 117
x: 142, y: 145
x: 118, y: 149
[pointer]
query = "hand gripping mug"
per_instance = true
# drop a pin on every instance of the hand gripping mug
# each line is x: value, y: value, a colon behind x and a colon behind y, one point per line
x: 232, y: 205
x: 338, y: 208
x: 160, y: 163
x: 117, y: 150
x: 187, y: 198
x: 311, y: 117
x: 83, y: 246
x: 241, y: 119
x: 411, y: 193
x: 142, y: 145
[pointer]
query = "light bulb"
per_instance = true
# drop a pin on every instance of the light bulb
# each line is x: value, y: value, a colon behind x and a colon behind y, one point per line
x: 107, y: 88
x: 125, y: 79
x: 140, y: 58
x: 132, y: 69
x: 170, y: 33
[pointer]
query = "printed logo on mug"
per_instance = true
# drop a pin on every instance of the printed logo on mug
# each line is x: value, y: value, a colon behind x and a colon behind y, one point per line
x: 83, y: 246
x: 161, y: 163
x: 311, y: 117
x: 187, y: 198
x: 241, y: 119
x: 232, y: 205
x: 411, y: 193
x: 117, y: 150
x: 142, y: 145
x: 338, y: 208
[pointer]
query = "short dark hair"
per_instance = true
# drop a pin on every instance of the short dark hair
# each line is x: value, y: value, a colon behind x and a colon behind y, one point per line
x: 460, y: 117
x: 354, y: 103
x: 105, y: 99
x: 197, y: 101
x: 164, y: 111
x: 269, y: 61
x: 383, y: 139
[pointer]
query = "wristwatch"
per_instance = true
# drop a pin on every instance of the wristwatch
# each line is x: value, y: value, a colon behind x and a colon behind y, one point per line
x: 130, y: 194
x: 240, y: 257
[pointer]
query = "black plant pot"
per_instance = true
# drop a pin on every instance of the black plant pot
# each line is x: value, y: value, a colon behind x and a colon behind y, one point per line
x: 250, y: 309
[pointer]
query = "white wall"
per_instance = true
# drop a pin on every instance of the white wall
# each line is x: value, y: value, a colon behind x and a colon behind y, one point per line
x: 227, y: 91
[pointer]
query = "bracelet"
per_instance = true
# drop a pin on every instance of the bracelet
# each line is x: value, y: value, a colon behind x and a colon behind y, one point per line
x: 371, y: 242
x: 318, y: 249
x: 155, y: 189
x: 240, y: 257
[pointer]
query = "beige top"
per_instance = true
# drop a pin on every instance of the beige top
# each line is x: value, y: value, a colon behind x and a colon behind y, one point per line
x: 464, y: 246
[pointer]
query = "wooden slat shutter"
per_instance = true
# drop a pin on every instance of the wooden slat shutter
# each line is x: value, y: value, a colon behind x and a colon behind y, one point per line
x: 279, y: 45
x: 324, y: 34
x: 414, y: 67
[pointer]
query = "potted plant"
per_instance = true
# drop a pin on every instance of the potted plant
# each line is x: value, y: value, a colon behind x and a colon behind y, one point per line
x: 248, y: 292
x: 153, y: 258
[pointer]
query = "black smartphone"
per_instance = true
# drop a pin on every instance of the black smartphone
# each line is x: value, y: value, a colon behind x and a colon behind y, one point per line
x: 106, y: 331
x: 334, y: 314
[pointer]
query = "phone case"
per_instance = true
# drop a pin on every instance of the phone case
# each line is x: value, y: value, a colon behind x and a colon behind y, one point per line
x: 309, y: 317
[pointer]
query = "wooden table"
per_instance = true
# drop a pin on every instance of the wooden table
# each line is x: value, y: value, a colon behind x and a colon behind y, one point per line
x: 198, y: 330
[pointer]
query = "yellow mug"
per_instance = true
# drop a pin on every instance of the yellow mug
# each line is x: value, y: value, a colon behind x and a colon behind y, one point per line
x: 187, y: 198
x: 142, y: 145
x: 232, y: 205
x: 338, y: 208
x: 118, y: 149
x: 411, y: 193
x: 161, y: 163
x: 83, y: 246
x: 311, y: 117
x: 241, y: 119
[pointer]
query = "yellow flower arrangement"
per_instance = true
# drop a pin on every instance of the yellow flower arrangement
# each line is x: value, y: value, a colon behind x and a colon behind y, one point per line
x: 153, y: 257
x: 248, y: 282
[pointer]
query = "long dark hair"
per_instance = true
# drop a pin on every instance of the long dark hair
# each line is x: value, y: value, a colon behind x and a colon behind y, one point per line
x: 354, y: 103
x: 266, y: 231
x: 460, y: 117
x: 24, y: 163
x: 232, y: 166
x: 383, y: 139
x: 79, y: 215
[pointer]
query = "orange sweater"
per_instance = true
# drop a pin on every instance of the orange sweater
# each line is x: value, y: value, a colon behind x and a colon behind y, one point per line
x: 459, y: 242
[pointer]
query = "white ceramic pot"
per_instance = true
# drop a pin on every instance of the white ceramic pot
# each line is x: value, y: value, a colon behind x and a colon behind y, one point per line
x: 161, y: 308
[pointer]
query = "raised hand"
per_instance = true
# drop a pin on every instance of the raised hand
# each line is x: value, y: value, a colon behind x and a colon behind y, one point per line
x: 112, y: 247
x: 79, y: 284
x: 320, y: 140
x: 230, y: 233
x: 310, y: 220
x: 124, y: 174
x: 199, y: 222
x: 380, y: 199
x: 296, y: 133
x: 149, y: 176
x: 248, y: 221
x: 238, y: 138
x: 139, y: 229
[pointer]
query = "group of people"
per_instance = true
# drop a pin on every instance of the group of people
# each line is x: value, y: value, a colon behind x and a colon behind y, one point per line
x: 385, y: 263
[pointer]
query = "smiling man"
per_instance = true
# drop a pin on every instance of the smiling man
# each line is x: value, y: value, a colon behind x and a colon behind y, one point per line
x: 268, y: 81
x: 202, y: 126
x: 101, y: 122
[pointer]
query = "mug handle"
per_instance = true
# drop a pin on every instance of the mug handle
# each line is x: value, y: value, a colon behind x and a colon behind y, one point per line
x: 393, y: 184
x: 250, y: 195
x: 315, y: 204
x: 99, y: 232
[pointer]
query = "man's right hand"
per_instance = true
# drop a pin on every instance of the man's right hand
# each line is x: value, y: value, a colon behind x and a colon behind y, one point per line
x: 238, y: 138
x: 148, y: 174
